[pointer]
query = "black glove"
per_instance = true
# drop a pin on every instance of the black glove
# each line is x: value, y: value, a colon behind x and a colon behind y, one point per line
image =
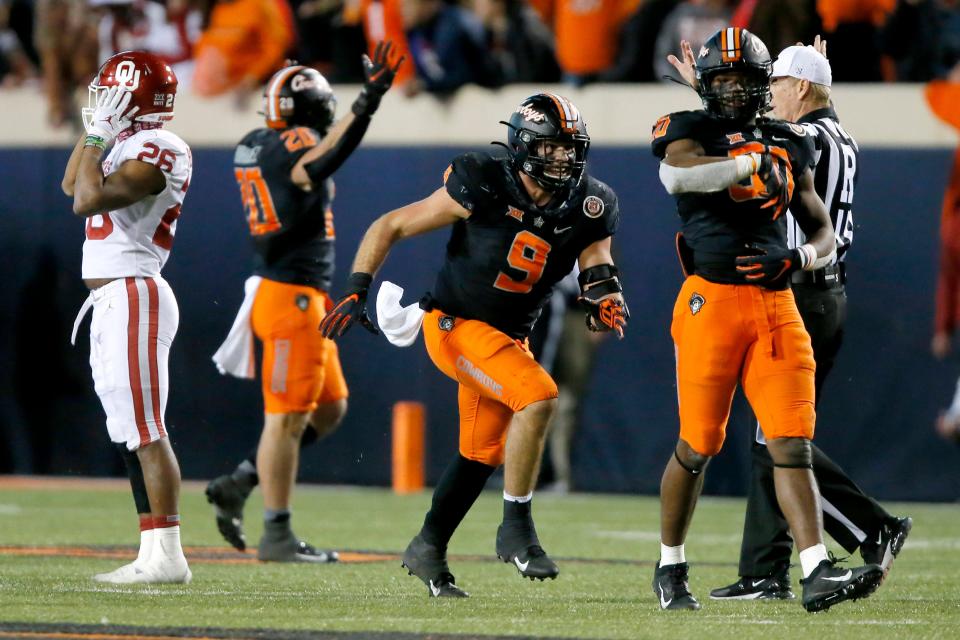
x: 768, y: 264
x: 350, y: 308
x: 608, y: 314
x: 378, y: 76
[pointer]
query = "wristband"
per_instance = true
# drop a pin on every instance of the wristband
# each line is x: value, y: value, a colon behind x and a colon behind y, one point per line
x: 95, y: 141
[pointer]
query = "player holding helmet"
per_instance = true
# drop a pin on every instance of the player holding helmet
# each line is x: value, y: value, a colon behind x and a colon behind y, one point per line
x: 734, y: 173
x: 284, y: 172
x: 131, y: 201
x: 520, y: 223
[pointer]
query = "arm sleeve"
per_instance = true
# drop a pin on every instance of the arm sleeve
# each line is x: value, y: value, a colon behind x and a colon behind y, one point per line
x: 321, y: 168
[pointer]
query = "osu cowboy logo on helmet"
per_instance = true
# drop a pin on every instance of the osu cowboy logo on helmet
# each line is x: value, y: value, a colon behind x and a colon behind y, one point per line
x: 299, y: 96
x: 540, y: 120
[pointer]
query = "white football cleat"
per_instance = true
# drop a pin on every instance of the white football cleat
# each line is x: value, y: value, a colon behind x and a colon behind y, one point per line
x: 126, y: 574
x: 169, y: 572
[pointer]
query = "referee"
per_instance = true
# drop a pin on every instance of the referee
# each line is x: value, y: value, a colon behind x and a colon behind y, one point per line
x: 800, y: 85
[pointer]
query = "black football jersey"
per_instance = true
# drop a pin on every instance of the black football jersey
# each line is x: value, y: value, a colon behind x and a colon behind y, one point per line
x: 720, y: 226
x: 503, y: 261
x: 292, y: 229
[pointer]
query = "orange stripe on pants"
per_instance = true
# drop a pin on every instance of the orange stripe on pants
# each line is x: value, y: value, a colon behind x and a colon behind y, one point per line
x: 497, y: 374
x: 726, y: 333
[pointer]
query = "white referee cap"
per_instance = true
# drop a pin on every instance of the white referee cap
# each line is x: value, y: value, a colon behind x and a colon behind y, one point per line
x: 803, y: 63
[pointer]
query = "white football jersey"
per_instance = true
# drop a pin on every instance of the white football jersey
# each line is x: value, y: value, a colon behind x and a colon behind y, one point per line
x: 136, y: 240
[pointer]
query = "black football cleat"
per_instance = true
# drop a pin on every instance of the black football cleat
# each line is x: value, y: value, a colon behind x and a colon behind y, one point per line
x: 228, y: 500
x: 829, y: 584
x: 429, y: 563
x: 671, y: 586
x: 774, y: 587
x: 517, y: 544
x: 883, y: 547
x: 289, y: 549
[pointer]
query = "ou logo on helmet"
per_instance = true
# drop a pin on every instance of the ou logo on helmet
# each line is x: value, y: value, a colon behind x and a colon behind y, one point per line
x: 127, y: 75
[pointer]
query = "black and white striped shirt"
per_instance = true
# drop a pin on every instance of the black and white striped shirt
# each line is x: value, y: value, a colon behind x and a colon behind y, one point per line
x: 834, y: 178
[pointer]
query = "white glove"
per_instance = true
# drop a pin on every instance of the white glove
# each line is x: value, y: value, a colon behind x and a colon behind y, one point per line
x: 110, y: 117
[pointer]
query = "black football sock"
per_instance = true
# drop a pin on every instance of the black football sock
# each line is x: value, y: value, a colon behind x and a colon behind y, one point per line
x: 245, y: 475
x: 517, y: 511
x: 135, y: 473
x: 457, y: 490
x: 276, y: 524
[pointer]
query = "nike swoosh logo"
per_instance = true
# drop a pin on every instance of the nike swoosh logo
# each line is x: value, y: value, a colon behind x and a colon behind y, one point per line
x: 559, y: 230
x: 434, y: 590
x: 842, y: 578
x: 757, y: 583
x: 781, y: 139
x: 880, y: 537
x: 663, y: 602
x: 521, y: 565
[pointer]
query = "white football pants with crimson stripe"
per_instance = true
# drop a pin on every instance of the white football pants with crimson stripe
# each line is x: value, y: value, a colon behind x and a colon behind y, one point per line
x: 134, y: 323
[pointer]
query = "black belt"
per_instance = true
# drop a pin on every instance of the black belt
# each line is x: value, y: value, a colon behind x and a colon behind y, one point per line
x: 832, y: 276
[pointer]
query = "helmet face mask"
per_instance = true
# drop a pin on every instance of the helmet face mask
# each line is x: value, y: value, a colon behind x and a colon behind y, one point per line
x: 299, y: 95
x: 547, y: 140
x: 147, y: 76
x: 733, y: 73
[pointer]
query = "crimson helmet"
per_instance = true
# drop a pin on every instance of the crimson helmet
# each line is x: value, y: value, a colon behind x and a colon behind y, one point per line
x: 145, y: 75
x: 735, y: 50
x: 299, y: 95
x: 547, y: 117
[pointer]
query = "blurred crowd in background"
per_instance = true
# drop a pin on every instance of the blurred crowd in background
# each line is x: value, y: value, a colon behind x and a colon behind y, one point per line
x: 232, y: 46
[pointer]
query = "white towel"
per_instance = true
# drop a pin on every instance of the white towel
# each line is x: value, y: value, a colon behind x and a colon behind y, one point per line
x: 401, y: 325
x: 235, y: 355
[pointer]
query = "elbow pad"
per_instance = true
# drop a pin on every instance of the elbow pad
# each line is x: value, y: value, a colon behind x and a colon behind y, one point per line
x: 706, y: 178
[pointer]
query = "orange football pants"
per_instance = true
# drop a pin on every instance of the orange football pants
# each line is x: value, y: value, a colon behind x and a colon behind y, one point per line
x: 725, y: 333
x: 301, y: 368
x: 498, y: 377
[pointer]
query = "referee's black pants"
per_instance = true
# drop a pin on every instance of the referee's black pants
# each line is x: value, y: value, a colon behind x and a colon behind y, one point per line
x: 848, y: 513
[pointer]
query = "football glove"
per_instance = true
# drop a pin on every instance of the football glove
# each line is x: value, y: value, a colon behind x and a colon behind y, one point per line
x: 110, y: 116
x: 608, y: 314
x: 350, y: 308
x: 378, y: 76
x: 769, y: 264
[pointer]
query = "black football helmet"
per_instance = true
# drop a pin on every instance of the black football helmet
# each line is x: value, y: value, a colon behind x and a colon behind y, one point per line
x: 544, y: 118
x: 735, y: 50
x: 299, y: 96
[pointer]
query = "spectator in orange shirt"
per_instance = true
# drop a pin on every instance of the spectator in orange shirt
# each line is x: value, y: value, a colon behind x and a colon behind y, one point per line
x: 383, y: 20
x: 587, y: 34
x: 852, y: 27
x: 245, y: 42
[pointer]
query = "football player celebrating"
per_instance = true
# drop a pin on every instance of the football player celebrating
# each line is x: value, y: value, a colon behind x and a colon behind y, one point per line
x: 131, y: 201
x: 520, y: 223
x: 734, y: 174
x: 284, y: 172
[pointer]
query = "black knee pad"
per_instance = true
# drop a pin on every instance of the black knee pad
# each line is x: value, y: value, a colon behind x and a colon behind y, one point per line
x: 792, y: 453
x: 695, y: 466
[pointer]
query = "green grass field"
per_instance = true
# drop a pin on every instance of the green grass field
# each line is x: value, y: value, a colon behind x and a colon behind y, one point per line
x: 605, y: 546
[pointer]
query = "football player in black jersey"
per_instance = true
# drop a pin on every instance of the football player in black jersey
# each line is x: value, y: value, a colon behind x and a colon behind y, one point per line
x: 284, y: 172
x: 520, y: 223
x: 733, y: 174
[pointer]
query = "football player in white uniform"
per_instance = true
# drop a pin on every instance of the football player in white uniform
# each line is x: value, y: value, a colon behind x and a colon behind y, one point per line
x: 131, y: 201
